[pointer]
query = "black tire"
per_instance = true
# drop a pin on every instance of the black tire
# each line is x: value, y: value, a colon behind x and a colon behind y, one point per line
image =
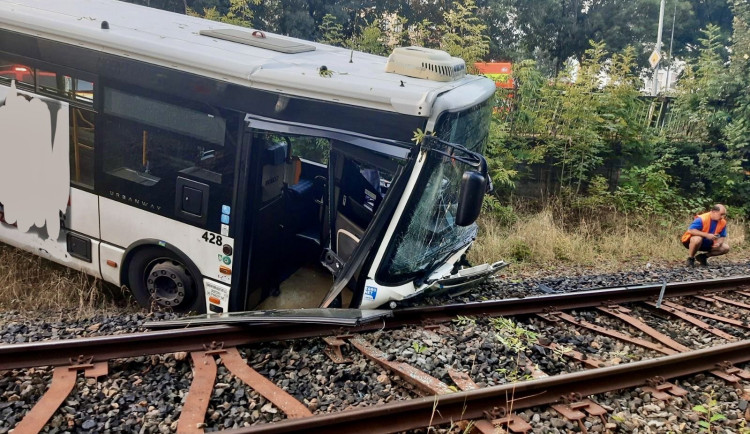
x: 158, y: 277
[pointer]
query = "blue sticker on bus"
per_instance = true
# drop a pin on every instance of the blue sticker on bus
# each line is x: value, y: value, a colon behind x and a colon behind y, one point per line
x: 371, y: 292
x: 225, y: 219
x: 225, y: 209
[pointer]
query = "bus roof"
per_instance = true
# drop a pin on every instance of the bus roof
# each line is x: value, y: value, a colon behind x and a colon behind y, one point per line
x: 174, y: 40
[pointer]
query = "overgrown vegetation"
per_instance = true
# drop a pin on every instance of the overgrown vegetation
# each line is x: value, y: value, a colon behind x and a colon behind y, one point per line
x: 548, y: 239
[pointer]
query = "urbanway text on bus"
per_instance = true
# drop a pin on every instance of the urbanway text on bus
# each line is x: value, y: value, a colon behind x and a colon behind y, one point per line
x: 134, y: 201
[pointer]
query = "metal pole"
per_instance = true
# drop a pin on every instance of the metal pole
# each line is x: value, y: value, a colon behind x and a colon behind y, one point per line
x: 658, y: 45
x: 671, y: 41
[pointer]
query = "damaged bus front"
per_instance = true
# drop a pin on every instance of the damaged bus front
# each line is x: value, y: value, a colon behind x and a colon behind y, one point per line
x: 418, y: 239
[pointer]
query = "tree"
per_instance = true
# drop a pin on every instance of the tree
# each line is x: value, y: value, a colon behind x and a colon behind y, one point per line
x: 551, y: 31
x: 424, y: 34
x: 371, y: 40
x: 240, y: 13
x: 331, y: 31
x: 463, y: 34
x: 738, y: 130
x: 702, y: 90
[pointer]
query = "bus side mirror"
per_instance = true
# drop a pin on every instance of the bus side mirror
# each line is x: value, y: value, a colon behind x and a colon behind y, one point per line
x: 473, y: 187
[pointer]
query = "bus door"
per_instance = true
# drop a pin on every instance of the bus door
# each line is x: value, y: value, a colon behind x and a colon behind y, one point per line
x: 313, y: 195
x: 286, y: 186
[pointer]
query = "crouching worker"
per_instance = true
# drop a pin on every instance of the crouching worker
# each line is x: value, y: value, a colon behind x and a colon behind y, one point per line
x: 708, y: 234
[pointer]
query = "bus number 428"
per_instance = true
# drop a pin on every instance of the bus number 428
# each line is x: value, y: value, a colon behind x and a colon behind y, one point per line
x: 212, y: 238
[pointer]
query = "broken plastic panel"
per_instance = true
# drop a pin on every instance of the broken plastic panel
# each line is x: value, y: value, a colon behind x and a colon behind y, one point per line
x: 342, y: 317
x: 468, y: 277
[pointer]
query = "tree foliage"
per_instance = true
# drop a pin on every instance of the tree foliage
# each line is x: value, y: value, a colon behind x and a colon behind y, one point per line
x: 463, y: 33
x: 331, y: 32
x: 239, y: 13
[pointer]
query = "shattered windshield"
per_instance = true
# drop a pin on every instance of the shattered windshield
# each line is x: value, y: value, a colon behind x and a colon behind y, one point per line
x: 427, y: 234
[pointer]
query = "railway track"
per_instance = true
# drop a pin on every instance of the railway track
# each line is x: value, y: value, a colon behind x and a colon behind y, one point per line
x: 550, y: 353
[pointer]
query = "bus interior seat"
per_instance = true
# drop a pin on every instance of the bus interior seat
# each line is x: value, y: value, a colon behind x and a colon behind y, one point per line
x: 294, y: 170
x: 348, y: 235
x: 360, y: 194
x: 272, y: 178
x: 303, y: 208
x: 360, y: 197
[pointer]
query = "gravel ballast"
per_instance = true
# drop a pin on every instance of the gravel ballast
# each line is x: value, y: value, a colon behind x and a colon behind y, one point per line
x: 146, y: 394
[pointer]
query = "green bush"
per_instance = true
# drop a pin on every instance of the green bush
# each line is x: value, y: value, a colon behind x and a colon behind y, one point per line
x: 503, y: 214
x: 520, y: 251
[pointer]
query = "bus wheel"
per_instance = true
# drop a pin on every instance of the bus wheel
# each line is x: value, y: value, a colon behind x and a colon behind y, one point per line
x: 157, y: 276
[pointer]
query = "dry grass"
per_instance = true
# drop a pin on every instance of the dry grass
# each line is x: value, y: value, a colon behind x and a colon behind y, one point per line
x: 540, y: 240
x: 30, y: 283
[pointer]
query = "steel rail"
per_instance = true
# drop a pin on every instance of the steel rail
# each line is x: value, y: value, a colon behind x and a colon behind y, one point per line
x: 472, y: 404
x: 103, y: 348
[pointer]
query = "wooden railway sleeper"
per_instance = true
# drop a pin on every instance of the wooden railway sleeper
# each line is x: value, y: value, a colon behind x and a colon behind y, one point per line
x: 204, y: 376
x: 63, y: 381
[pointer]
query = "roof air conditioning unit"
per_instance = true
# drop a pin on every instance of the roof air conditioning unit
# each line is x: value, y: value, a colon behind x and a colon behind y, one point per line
x: 425, y: 63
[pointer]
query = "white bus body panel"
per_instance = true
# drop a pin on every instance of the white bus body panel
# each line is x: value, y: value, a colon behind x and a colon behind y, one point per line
x: 110, y: 273
x: 83, y: 213
x: 35, y: 181
x: 123, y: 225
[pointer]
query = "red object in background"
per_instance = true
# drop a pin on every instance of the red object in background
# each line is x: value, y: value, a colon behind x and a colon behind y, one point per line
x: 17, y: 72
x: 500, y: 72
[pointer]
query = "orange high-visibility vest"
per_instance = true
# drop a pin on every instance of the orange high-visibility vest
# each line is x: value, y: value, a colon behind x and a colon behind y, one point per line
x: 706, y: 217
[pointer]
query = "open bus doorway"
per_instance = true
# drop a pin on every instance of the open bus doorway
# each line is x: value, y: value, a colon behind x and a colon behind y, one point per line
x: 296, y: 251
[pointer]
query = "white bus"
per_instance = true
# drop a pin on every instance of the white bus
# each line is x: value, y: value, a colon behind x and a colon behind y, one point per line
x: 205, y: 166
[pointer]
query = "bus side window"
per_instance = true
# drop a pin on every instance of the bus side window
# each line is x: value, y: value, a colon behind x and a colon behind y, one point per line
x: 148, y: 140
x: 10, y: 70
x: 83, y: 91
x: 54, y: 84
x: 66, y: 87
